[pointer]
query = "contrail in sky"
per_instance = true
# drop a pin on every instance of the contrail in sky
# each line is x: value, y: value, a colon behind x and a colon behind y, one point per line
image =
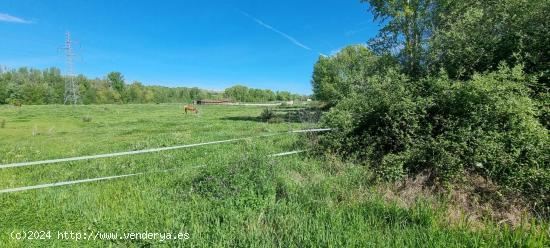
x: 9, y: 18
x: 288, y: 37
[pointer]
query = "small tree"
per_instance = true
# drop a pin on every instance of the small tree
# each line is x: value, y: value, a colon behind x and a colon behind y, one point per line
x: 116, y: 81
x: 337, y: 76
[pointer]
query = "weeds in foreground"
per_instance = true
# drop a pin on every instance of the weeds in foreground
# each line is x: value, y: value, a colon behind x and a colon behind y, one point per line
x: 86, y: 118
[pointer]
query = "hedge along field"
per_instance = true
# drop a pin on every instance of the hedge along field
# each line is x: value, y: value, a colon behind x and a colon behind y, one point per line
x: 237, y: 197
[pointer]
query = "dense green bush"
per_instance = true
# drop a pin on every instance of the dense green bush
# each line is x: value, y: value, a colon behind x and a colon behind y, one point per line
x: 384, y: 115
x: 474, y: 36
x: 267, y: 114
x: 487, y: 125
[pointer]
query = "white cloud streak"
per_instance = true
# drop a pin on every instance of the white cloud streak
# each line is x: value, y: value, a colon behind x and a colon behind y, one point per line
x: 265, y: 25
x: 9, y: 18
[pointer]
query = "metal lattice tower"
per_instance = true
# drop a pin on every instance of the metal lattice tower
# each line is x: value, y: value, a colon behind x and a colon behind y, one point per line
x: 71, y: 92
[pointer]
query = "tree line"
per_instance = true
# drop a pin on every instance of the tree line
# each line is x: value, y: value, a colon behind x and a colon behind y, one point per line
x: 244, y: 94
x: 33, y: 86
x: 449, y: 89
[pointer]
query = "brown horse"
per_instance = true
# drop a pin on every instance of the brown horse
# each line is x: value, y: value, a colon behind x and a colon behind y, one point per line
x: 190, y: 108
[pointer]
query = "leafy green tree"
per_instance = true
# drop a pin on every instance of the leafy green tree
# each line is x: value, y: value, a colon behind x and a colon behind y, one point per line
x: 34, y: 93
x: 284, y: 96
x: 85, y: 89
x: 116, y: 81
x: 337, y: 76
x: 135, y: 92
x: 89, y: 96
x: 269, y: 95
x: 237, y: 92
x: 55, y: 85
x: 3, y: 88
x: 195, y: 93
x: 406, y: 31
x: 475, y: 36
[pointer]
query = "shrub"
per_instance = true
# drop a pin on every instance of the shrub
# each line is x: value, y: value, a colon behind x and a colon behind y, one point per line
x: 386, y: 116
x: 311, y: 115
x: 267, y: 114
x: 392, y: 167
x: 487, y: 125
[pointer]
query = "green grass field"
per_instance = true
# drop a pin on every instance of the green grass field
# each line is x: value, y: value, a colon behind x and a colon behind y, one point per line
x: 221, y: 195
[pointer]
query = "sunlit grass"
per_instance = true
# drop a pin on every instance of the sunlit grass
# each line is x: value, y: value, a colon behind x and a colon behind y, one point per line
x: 238, y: 197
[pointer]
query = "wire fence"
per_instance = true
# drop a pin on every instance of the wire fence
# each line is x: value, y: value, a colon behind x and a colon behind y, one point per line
x: 88, y: 180
x: 117, y: 154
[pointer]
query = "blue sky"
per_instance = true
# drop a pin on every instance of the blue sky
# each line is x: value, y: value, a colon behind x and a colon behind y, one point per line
x: 209, y: 44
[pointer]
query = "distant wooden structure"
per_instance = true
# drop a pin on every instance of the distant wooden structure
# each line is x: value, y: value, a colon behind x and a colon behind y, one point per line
x: 213, y: 102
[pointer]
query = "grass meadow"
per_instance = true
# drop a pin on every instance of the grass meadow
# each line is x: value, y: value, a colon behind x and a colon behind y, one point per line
x: 222, y: 195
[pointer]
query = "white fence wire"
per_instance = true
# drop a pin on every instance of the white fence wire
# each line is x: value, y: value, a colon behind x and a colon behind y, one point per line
x: 117, y: 154
x: 57, y: 184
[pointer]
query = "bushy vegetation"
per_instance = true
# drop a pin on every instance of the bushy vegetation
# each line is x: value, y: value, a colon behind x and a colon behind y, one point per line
x: 335, y: 77
x: 267, y: 114
x: 32, y: 86
x: 475, y: 36
x: 467, y: 96
x: 486, y: 125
